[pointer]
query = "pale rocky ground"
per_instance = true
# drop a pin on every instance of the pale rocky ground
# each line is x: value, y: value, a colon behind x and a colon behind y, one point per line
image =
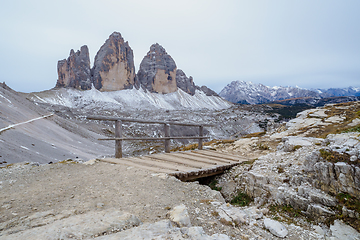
x: 287, y: 169
x: 78, y: 201
x: 104, y: 201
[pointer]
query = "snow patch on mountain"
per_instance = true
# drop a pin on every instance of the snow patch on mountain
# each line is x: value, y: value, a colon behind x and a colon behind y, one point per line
x: 252, y: 93
x: 131, y: 99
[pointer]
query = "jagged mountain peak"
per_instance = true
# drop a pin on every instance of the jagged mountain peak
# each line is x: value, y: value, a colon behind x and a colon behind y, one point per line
x: 252, y: 93
x: 157, y: 48
x: 114, y: 70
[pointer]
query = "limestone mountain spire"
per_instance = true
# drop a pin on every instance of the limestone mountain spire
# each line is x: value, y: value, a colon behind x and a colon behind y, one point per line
x: 74, y: 72
x: 114, y: 65
x: 157, y: 71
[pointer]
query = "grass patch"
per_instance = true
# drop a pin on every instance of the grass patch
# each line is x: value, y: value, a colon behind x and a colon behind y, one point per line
x: 354, y: 129
x: 228, y: 223
x: 206, y: 201
x: 241, y: 199
x: 188, y: 147
x: 348, y: 110
x: 249, y: 162
x: 8, y: 166
x: 213, y: 186
x: 285, y: 213
x: 257, y: 134
x: 349, y: 201
x: 262, y: 146
x: 287, y: 208
x: 297, y: 147
x: 195, y: 146
x: 67, y: 161
x: 334, y: 157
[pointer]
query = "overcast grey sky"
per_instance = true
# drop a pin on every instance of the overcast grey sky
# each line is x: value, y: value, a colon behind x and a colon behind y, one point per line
x: 311, y: 44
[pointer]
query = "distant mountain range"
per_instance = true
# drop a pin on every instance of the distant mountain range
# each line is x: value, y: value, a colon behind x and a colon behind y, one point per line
x: 250, y: 93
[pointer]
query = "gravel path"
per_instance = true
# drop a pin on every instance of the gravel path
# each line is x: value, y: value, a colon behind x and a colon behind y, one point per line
x: 77, y: 188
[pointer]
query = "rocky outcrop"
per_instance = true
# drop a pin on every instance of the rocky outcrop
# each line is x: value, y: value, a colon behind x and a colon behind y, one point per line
x: 185, y: 83
x: 334, y: 178
x: 157, y: 71
x: 114, y: 70
x: 114, y: 65
x: 207, y: 91
x: 74, y: 72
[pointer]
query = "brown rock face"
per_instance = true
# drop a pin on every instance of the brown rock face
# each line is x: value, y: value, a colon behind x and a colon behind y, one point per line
x: 157, y: 71
x: 114, y: 65
x: 75, y: 71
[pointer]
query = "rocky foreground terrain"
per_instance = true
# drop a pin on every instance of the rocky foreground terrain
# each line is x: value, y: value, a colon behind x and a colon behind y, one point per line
x: 301, y: 182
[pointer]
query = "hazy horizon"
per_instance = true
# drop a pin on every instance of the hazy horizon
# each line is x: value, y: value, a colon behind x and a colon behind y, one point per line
x: 279, y: 43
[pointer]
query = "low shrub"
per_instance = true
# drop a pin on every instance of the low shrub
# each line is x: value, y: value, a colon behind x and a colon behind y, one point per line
x: 241, y: 199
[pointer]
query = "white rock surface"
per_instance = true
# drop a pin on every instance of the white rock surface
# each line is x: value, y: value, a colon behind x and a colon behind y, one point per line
x: 79, y: 226
x: 275, y: 228
x: 180, y: 216
x: 342, y: 231
x: 163, y: 230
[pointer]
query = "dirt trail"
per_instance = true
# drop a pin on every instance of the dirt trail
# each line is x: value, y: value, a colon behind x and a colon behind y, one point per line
x: 79, y: 188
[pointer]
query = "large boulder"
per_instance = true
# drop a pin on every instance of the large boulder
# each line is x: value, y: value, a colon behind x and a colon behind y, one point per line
x: 74, y: 72
x: 275, y: 228
x: 114, y: 65
x: 157, y: 71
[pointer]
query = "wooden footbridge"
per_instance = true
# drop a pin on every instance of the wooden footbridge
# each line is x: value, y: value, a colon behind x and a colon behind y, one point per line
x: 183, y: 165
x: 186, y: 166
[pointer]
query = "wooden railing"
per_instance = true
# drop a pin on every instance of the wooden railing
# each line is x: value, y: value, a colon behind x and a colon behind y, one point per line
x: 119, y: 138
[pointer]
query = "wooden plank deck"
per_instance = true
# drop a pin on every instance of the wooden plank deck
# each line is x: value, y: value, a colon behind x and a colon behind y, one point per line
x: 183, y: 165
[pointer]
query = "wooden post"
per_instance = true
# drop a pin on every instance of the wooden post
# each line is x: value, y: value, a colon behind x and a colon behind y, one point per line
x: 167, y: 134
x: 201, y: 134
x: 118, y: 143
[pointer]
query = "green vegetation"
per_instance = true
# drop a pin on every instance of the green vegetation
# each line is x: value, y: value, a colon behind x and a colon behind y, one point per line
x: 287, y: 112
x: 287, y: 208
x: 354, y: 129
x: 286, y: 213
x: 257, y: 134
x: 213, y: 186
x: 349, y: 201
x: 67, y: 161
x: 249, y: 162
x: 334, y: 157
x: 241, y: 199
x: 194, y: 146
x: 326, y: 155
x: 297, y: 147
x: 262, y: 146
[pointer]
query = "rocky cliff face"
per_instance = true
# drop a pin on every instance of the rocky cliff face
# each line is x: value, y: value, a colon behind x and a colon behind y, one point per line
x: 74, y: 72
x: 207, y: 91
x: 114, y: 65
x: 157, y: 71
x: 114, y: 70
x: 317, y: 176
x: 185, y: 83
